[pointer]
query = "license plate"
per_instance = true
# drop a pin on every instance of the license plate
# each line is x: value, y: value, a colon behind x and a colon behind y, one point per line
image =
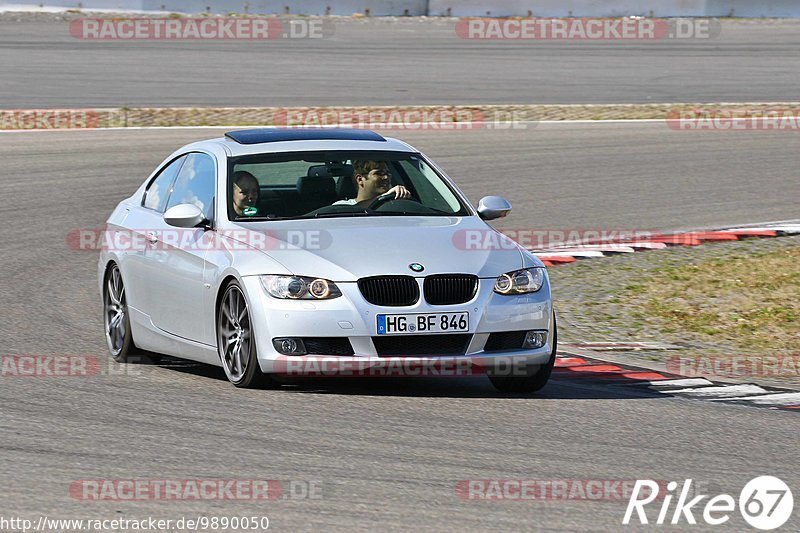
x: 423, y: 323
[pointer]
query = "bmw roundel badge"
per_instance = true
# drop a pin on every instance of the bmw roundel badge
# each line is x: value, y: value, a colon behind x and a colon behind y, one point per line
x: 416, y: 267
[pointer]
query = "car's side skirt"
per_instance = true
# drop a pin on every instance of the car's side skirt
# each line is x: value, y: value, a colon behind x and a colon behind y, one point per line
x: 148, y: 337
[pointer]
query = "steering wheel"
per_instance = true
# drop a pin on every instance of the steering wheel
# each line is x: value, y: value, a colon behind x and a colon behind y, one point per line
x: 382, y: 199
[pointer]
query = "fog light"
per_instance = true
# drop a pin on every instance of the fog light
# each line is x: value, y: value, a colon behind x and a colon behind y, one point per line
x: 535, y: 339
x: 289, y: 346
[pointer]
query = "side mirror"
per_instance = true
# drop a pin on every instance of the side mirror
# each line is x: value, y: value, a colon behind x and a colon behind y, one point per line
x: 184, y: 216
x: 492, y: 207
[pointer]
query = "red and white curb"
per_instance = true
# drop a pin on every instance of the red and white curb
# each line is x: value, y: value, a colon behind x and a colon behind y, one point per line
x: 568, y: 366
x: 621, y: 346
x: 569, y: 254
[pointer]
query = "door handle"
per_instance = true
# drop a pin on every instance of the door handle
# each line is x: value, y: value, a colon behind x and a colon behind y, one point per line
x: 151, y: 237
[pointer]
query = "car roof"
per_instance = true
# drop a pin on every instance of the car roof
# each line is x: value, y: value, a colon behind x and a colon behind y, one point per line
x: 277, y: 140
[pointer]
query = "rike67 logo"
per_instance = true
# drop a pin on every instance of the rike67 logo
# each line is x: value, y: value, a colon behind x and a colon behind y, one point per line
x: 765, y: 503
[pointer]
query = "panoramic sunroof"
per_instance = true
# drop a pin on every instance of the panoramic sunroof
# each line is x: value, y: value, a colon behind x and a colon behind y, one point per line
x: 270, y: 135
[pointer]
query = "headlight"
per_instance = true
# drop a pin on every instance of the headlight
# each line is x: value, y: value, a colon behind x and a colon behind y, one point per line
x: 300, y: 288
x: 520, y: 281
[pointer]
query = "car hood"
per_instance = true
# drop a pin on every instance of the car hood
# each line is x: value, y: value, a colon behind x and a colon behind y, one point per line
x: 346, y: 249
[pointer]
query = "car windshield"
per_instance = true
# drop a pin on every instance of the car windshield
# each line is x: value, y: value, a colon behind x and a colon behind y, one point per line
x: 337, y: 184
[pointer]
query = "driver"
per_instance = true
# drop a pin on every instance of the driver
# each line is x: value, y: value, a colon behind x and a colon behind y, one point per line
x: 245, y: 193
x: 372, y: 179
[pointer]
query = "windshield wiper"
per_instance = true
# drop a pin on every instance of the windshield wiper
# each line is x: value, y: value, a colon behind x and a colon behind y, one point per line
x: 246, y: 219
x: 262, y: 218
x: 436, y: 213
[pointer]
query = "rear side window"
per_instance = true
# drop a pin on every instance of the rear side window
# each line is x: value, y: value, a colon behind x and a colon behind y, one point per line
x: 195, y: 184
x: 155, y: 197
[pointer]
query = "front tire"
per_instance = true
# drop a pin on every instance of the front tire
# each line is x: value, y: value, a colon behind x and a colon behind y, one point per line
x: 531, y: 383
x: 236, y: 342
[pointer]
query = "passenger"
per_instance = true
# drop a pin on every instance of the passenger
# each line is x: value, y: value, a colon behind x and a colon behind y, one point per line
x: 245, y: 193
x: 372, y: 179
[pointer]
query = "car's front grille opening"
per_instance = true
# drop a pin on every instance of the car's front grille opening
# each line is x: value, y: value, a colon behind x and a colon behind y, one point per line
x: 390, y: 291
x: 328, y: 345
x: 411, y: 345
x: 450, y: 289
x: 504, y: 340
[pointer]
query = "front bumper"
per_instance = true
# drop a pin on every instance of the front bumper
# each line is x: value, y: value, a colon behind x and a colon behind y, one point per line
x: 351, y: 316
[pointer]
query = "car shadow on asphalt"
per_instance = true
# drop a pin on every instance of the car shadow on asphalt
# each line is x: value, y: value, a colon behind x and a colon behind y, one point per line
x: 472, y: 387
x: 561, y: 386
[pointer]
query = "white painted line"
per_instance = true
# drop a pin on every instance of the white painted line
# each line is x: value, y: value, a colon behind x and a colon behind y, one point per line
x: 611, y: 248
x: 568, y: 254
x: 647, y: 245
x: 785, y: 228
x: 781, y: 398
x: 789, y: 228
x: 605, y: 248
x: 730, y: 391
x: 769, y: 223
x: 688, y: 382
x: 746, y: 230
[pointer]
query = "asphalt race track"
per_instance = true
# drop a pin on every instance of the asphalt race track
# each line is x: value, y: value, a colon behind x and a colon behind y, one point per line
x: 388, y: 453
x: 402, y: 62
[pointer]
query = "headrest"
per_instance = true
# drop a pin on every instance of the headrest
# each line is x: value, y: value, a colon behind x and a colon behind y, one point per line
x: 312, y: 185
x: 344, y: 186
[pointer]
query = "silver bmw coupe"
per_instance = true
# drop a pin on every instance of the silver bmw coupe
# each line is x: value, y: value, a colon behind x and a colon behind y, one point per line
x: 266, y: 249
